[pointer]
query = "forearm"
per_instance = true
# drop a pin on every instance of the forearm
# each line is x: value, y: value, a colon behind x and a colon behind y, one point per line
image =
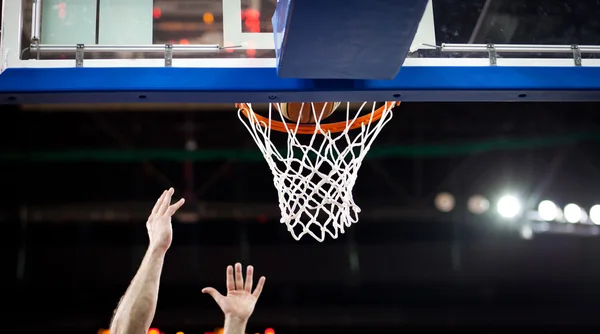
x: 137, y: 307
x: 234, y: 325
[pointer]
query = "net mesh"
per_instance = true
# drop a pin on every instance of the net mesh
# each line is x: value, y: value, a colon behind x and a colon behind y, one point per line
x: 315, y: 174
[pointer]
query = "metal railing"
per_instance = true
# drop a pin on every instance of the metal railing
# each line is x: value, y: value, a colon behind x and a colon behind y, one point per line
x: 493, y: 49
x: 520, y: 48
x: 44, y: 48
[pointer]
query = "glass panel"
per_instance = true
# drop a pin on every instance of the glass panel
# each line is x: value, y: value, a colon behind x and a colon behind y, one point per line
x: 561, y: 22
x: 68, y: 22
x: 125, y: 22
x: 256, y: 15
x: 188, y: 22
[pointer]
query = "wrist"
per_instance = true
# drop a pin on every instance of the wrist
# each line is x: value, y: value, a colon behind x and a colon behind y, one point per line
x: 155, y: 250
x: 236, y: 322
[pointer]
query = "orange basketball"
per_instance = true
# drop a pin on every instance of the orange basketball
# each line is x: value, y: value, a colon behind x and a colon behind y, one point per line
x: 295, y: 111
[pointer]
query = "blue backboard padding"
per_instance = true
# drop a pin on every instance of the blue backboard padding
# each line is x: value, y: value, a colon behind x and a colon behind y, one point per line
x: 344, y: 39
x: 279, y: 23
x: 54, y: 85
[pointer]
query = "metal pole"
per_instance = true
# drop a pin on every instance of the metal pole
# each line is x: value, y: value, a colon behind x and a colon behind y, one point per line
x: 36, y: 19
x: 126, y: 48
x: 519, y: 48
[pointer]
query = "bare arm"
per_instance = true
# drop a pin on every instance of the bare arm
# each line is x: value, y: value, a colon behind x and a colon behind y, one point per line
x: 239, y: 302
x: 137, y: 307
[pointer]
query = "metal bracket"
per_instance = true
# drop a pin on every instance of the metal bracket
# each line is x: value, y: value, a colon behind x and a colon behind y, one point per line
x: 79, y: 55
x: 168, y: 55
x: 34, y: 47
x: 576, y: 54
x: 492, y: 54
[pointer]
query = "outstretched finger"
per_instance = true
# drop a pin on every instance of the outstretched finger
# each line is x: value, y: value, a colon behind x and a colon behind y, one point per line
x: 248, y: 284
x: 239, y: 279
x: 213, y: 293
x: 173, y: 208
x: 165, y: 203
x: 158, y: 203
x: 259, y: 287
x: 230, y: 284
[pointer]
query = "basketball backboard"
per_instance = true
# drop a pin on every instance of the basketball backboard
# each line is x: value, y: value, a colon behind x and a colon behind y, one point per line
x: 225, y: 51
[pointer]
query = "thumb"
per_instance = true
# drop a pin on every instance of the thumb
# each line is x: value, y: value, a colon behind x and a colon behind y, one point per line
x: 213, y: 293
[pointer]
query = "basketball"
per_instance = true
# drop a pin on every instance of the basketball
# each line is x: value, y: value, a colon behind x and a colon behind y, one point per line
x: 298, y: 111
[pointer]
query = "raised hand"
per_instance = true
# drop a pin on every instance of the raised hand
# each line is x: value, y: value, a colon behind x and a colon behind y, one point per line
x: 159, y: 226
x: 240, y: 300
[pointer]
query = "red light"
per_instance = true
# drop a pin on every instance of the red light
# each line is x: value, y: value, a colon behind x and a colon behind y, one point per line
x: 251, y: 19
x: 228, y: 49
x: 251, y: 51
x: 184, y: 41
x: 269, y: 331
x: 251, y: 14
x: 62, y: 10
x: 253, y: 26
x: 156, y: 13
x: 153, y: 331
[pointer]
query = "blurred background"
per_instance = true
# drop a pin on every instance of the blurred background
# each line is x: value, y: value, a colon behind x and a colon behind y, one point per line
x: 475, y: 216
x: 78, y: 185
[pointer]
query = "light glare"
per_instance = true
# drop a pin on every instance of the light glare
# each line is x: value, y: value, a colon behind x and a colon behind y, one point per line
x: 509, y: 206
x: 547, y: 210
x: 572, y: 213
x: 526, y: 232
x: 595, y: 214
x: 444, y: 202
x: 478, y: 204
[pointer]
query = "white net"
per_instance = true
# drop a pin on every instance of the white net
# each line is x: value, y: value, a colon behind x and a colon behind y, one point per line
x: 314, y: 176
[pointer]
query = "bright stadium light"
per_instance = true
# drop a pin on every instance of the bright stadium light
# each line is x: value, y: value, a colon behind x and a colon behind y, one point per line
x: 508, y: 206
x: 547, y: 210
x: 595, y: 214
x: 572, y: 213
x: 478, y: 204
x: 444, y: 202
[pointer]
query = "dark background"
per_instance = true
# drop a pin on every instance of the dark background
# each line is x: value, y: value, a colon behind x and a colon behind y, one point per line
x: 74, y: 235
x: 78, y: 182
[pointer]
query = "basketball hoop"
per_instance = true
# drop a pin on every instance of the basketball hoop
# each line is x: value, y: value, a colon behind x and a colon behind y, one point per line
x: 315, y: 176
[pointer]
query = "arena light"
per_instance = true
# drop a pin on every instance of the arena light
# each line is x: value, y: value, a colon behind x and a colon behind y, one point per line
x: 526, y: 232
x: 572, y: 213
x: 595, y: 214
x: 478, y: 204
x: 156, y: 13
x: 509, y: 206
x: 444, y: 202
x: 208, y: 18
x: 547, y: 210
x: 269, y: 331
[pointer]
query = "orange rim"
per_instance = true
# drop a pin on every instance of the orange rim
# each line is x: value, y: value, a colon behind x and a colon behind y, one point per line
x: 308, y: 129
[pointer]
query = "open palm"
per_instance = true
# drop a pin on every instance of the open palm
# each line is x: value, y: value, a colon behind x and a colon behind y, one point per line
x: 240, y: 300
x: 159, y: 226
